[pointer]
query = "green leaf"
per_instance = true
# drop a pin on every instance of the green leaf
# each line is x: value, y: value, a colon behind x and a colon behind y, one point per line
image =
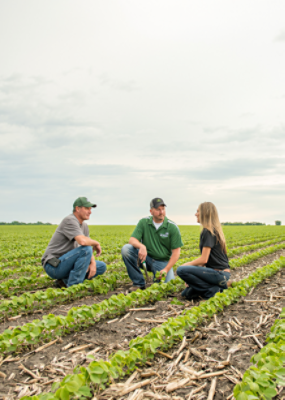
x: 242, y: 396
x: 74, y: 382
x: 62, y: 394
x: 269, y: 393
x: 97, y: 370
x: 84, y: 391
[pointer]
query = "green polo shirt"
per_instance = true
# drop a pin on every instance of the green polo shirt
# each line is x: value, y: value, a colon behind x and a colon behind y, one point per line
x: 159, y: 242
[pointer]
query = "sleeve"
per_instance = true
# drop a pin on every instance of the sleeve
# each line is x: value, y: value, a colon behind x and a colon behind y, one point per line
x: 138, y: 232
x: 175, y: 238
x: 86, y: 230
x: 71, y: 229
x: 207, y: 239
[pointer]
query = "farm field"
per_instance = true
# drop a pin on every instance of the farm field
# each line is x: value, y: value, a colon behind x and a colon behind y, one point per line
x: 94, y: 340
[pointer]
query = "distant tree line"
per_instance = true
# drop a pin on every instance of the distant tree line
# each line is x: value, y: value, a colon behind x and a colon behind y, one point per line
x: 24, y: 223
x: 242, y: 223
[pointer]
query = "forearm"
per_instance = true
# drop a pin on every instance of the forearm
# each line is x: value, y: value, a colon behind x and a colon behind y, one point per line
x: 86, y: 241
x: 198, y: 261
x: 173, y: 259
x: 136, y: 243
x: 92, y: 262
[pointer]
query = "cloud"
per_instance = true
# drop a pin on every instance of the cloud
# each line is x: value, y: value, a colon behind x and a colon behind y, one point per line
x: 280, y: 37
x: 228, y: 169
x: 118, y: 84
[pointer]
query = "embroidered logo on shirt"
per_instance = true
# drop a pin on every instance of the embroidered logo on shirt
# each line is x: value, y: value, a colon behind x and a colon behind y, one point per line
x: 164, y: 234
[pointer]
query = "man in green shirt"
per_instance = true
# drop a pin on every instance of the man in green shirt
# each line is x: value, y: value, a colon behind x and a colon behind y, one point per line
x: 155, y: 240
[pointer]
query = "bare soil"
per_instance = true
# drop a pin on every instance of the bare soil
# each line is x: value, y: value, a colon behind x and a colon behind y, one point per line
x: 53, y: 363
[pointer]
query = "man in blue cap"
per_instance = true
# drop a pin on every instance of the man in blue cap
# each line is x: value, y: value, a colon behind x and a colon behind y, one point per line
x: 69, y: 256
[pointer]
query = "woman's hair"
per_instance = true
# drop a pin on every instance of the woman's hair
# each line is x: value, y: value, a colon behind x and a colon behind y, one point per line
x: 209, y: 219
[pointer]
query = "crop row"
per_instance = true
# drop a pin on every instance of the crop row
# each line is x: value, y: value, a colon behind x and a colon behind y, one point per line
x: 40, y: 330
x: 242, y: 249
x: 238, y: 262
x: 261, y: 379
x: 29, y: 302
x: 38, y: 270
x: 16, y: 256
x: 99, y: 373
x: 79, y: 318
x: 32, y: 282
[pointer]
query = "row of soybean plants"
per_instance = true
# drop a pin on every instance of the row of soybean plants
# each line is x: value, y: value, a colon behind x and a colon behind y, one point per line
x: 31, y: 265
x: 36, y: 271
x: 31, y: 245
x: 260, y: 381
x: 29, y: 302
x: 98, y: 374
x: 6, y: 272
x: 44, y: 299
x: 39, y: 331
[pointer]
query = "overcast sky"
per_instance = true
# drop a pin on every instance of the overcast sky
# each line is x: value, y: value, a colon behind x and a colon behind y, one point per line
x: 122, y: 101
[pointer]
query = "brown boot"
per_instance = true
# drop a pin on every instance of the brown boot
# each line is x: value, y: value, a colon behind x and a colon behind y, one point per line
x: 60, y: 284
x: 134, y: 288
x: 229, y: 283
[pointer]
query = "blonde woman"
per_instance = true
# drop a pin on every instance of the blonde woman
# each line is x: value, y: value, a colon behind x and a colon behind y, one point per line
x: 206, y: 282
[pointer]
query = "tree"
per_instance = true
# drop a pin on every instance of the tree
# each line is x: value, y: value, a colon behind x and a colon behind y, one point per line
x: 277, y: 222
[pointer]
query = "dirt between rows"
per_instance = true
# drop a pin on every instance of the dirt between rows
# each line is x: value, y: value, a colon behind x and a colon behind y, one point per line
x: 236, y: 275
x: 106, y: 337
x: 228, y: 336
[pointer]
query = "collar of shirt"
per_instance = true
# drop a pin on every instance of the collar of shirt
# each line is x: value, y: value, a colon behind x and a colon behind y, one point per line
x: 164, y: 225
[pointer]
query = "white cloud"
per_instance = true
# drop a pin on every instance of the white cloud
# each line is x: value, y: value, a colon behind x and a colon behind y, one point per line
x: 126, y: 101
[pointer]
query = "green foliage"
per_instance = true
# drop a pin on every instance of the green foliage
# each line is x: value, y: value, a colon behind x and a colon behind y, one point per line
x: 260, y: 380
x: 242, y: 223
x: 164, y: 336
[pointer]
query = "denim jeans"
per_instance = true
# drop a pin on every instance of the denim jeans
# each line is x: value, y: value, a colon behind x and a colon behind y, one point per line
x: 130, y: 258
x: 204, y: 282
x: 73, y: 266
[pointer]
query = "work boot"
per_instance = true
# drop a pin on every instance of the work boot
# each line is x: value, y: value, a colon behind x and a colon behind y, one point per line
x: 189, y: 293
x: 134, y: 288
x: 60, y: 284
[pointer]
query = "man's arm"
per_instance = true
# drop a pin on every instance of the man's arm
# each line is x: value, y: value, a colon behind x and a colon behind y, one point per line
x: 172, y: 261
x: 138, y: 245
x: 86, y: 241
x: 92, y: 268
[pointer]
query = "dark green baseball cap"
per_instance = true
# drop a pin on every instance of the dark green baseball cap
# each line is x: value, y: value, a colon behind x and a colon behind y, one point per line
x: 155, y: 203
x: 83, y: 202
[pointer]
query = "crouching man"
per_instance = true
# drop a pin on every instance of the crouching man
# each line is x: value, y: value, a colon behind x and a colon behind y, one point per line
x: 155, y: 240
x: 69, y: 256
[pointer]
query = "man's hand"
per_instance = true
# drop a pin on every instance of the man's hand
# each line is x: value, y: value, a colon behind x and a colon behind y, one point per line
x: 142, y: 253
x: 161, y: 273
x: 97, y: 248
x: 92, y: 269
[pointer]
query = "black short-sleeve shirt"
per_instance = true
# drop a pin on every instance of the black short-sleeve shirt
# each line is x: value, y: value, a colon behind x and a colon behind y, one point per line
x: 217, y: 259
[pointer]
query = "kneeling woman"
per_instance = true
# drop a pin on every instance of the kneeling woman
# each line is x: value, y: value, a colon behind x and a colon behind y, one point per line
x: 206, y: 282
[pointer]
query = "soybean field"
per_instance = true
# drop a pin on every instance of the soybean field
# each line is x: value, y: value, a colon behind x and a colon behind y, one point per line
x: 97, y: 341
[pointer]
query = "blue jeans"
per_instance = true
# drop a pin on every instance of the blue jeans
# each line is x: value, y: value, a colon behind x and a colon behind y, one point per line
x: 73, y: 266
x: 130, y: 258
x: 204, y: 282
